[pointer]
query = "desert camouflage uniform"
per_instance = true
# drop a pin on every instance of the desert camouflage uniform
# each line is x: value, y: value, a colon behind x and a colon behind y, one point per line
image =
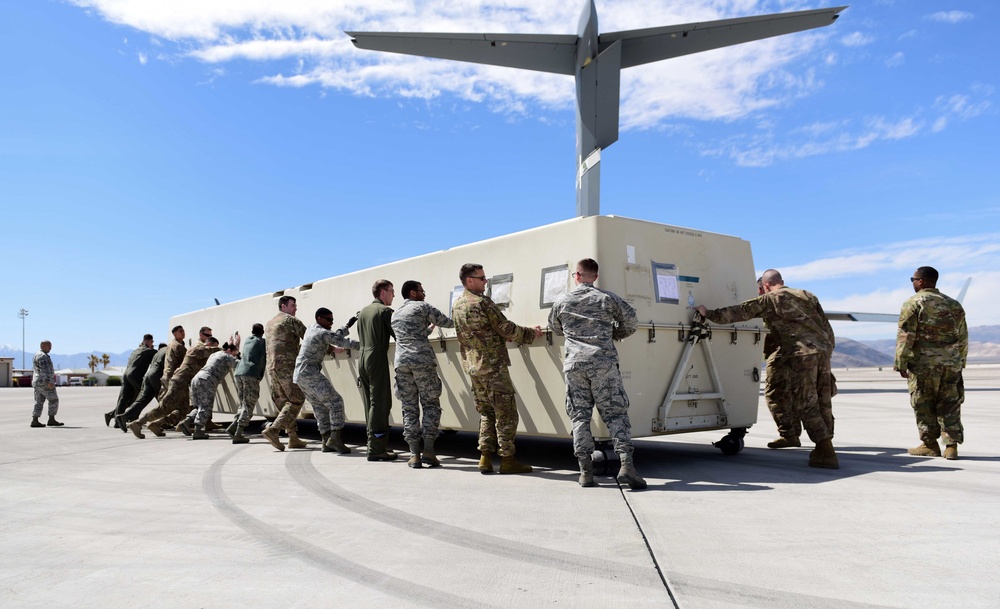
x: 482, y: 331
x: 932, y: 346
x: 591, y: 319
x: 777, y: 390
x: 174, y: 358
x: 805, y: 343
x: 249, y: 372
x: 327, y: 404
x: 417, y: 380
x: 177, y: 399
x: 374, y: 330
x: 282, y: 335
x: 42, y: 376
x: 135, y: 370
x: 150, y: 386
x: 206, y: 382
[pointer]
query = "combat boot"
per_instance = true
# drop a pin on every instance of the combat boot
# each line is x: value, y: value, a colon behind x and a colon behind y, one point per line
x: 121, y: 423
x: 951, y: 452
x: 36, y: 423
x: 199, y: 433
x: 231, y: 430
x: 238, y: 437
x: 414, y: 461
x: 586, y: 471
x: 785, y: 442
x: 824, y: 456
x: 929, y: 448
x: 211, y: 425
x: 156, y: 429
x: 54, y: 423
x: 184, y: 427
x: 510, y: 465
x: 107, y: 418
x: 337, y: 444
x: 628, y: 475
x: 136, y: 428
x: 324, y: 439
x: 270, y: 434
x: 428, y: 457
x: 294, y: 441
x: 485, y: 462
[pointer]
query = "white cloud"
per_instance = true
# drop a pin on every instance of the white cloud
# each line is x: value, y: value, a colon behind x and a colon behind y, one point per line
x: 857, y: 39
x: 143, y: 58
x: 896, y: 60
x: 723, y: 84
x: 949, y: 16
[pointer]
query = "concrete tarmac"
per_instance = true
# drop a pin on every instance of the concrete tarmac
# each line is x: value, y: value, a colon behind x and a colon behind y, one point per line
x: 95, y: 518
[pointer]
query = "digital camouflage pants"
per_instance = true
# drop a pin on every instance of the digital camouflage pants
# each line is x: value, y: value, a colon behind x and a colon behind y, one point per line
x: 327, y: 404
x: 601, y: 386
x: 936, y: 395
x: 43, y: 393
x: 248, y: 392
x: 416, y: 387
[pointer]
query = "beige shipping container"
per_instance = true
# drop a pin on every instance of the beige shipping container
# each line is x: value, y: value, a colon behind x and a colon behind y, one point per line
x: 663, y: 271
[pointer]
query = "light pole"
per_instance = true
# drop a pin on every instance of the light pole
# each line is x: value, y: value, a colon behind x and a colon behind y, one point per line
x: 22, y: 314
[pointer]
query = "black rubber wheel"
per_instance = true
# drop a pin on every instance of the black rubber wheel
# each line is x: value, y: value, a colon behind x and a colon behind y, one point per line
x: 729, y: 445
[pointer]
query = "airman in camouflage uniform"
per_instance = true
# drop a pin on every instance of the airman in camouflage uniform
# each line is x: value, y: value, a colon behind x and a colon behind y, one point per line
x: 175, y: 357
x: 591, y: 319
x: 417, y: 380
x: 776, y: 390
x: 806, y: 339
x: 150, y: 386
x: 177, y: 399
x: 204, y: 386
x: 374, y: 330
x: 931, y: 350
x: 282, y: 335
x: 327, y: 404
x: 249, y: 372
x: 482, y: 331
x: 43, y: 379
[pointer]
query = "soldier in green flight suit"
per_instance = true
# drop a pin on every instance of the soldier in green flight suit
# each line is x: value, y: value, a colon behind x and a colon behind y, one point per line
x: 374, y: 330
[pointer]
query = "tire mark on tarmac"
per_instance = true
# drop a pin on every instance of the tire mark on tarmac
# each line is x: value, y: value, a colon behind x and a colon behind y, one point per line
x: 321, y: 558
x: 301, y: 468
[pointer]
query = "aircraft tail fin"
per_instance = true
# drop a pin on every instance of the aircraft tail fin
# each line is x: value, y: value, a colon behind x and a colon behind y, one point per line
x: 964, y: 290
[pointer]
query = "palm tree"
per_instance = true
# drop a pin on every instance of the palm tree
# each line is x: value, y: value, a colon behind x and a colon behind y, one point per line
x: 93, y: 362
x: 105, y: 359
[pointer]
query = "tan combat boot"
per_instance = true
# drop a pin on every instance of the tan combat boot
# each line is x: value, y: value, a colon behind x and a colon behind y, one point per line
x: 136, y: 428
x: 414, y: 461
x: 951, y: 452
x: 510, y: 465
x: 628, y: 475
x: 929, y: 448
x: 486, y: 462
x: 824, y: 455
x: 156, y: 428
x: 785, y: 442
x: 428, y: 457
x: 294, y: 441
x: 271, y: 432
x: 586, y: 471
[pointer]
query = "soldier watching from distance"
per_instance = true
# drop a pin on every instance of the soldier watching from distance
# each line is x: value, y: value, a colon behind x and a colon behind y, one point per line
x: 932, y: 347
x: 417, y: 380
x: 482, y: 333
x: 591, y: 319
x: 806, y: 338
x: 43, y: 379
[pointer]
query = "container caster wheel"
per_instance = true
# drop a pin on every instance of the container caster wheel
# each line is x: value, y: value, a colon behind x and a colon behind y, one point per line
x: 732, y: 443
x: 606, y: 462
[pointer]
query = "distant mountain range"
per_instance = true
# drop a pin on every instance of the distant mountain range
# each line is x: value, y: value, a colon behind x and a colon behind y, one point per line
x: 984, y: 347
x: 60, y: 361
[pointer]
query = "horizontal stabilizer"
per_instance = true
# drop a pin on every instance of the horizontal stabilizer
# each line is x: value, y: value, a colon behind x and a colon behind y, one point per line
x: 655, y: 44
x: 539, y: 52
x: 853, y: 316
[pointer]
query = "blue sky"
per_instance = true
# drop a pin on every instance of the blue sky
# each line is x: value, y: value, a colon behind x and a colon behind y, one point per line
x: 154, y: 156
